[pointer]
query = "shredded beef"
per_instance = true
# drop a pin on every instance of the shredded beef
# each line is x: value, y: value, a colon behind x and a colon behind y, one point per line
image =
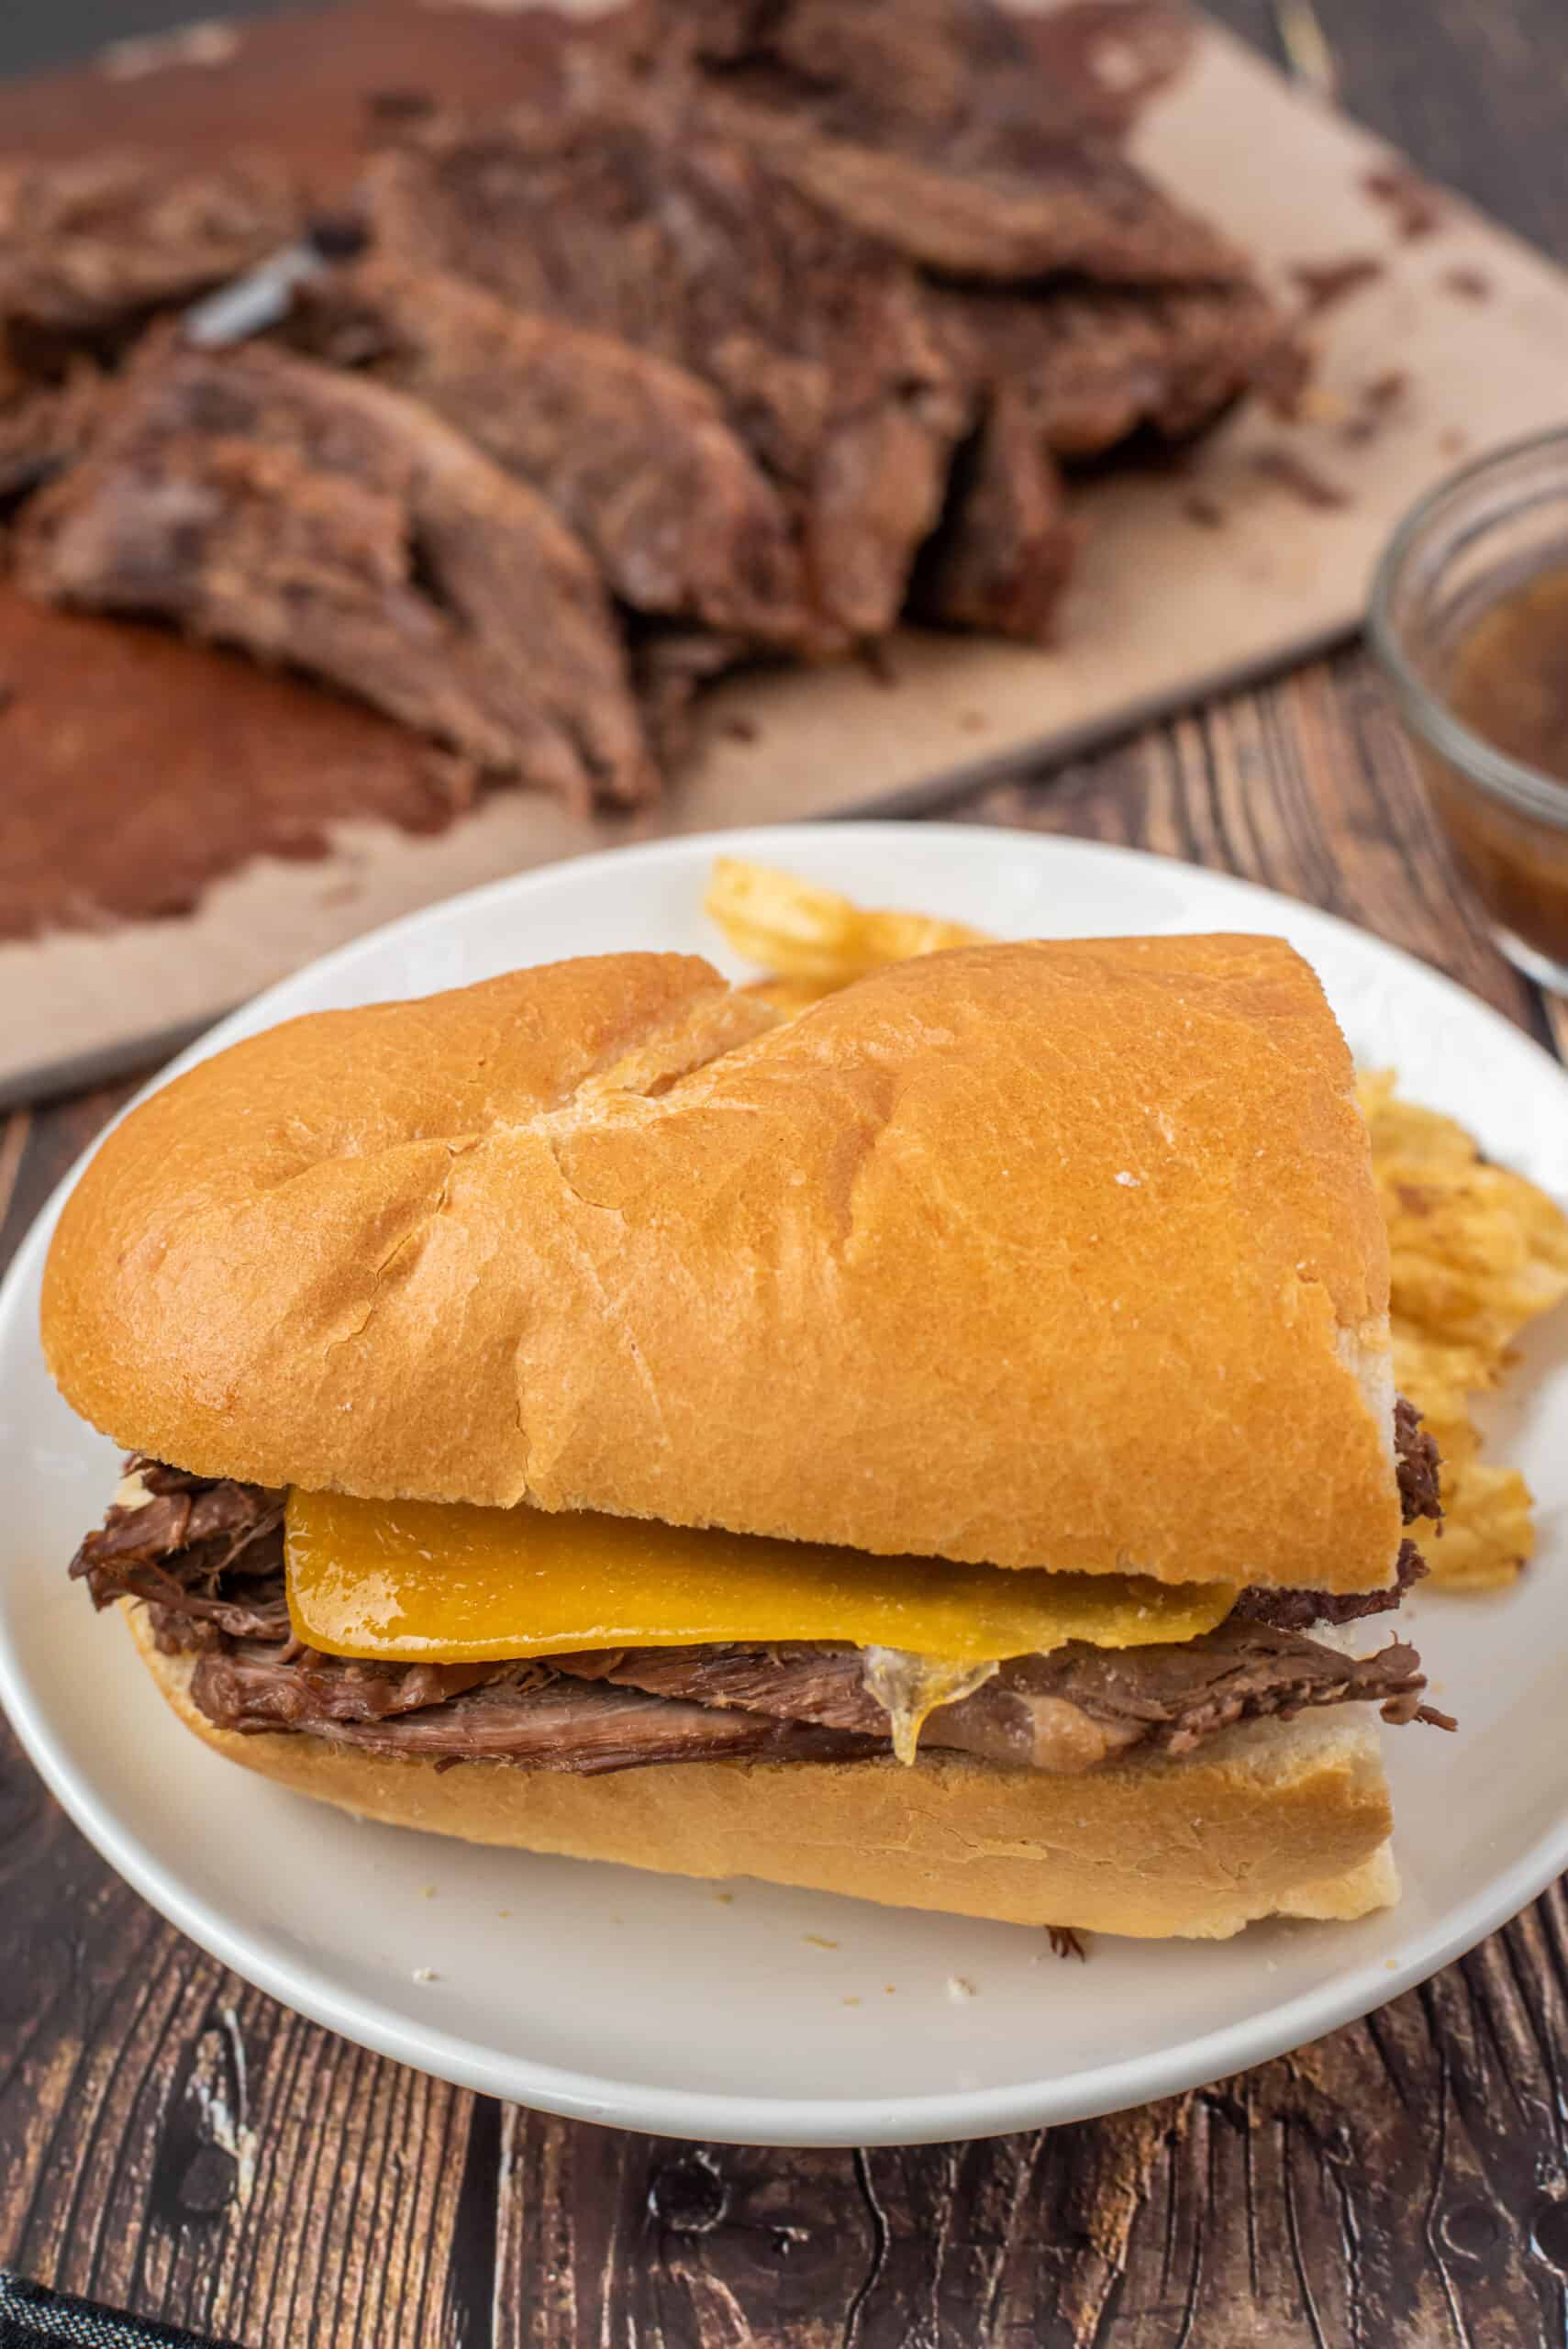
x: 1416, y: 1456
x: 1417, y: 1452
x: 1296, y: 1610
x: 206, y: 1556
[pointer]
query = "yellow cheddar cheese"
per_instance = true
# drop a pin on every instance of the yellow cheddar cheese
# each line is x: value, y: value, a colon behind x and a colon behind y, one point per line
x: 407, y: 1580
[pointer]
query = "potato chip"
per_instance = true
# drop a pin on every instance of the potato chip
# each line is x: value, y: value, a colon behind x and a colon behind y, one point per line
x: 1475, y: 1251
x: 1402, y: 1129
x: 798, y: 932
x: 1478, y: 1250
x: 1488, y: 1532
x: 1473, y: 1257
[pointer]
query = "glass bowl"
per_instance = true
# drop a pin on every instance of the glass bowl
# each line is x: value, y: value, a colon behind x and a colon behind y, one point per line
x: 1483, y: 533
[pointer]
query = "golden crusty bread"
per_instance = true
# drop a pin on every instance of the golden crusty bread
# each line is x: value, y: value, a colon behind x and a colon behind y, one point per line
x: 1058, y: 1253
x: 1276, y: 1819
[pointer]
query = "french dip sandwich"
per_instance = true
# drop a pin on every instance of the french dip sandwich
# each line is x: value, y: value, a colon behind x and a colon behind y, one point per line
x: 925, y: 1447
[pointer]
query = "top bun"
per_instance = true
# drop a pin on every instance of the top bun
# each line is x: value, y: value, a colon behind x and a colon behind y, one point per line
x: 1059, y: 1254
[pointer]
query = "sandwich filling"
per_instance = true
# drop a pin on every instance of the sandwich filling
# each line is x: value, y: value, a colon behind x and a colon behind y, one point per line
x: 207, y: 1559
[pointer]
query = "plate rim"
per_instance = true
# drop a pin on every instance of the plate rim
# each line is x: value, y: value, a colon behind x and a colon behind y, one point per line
x: 727, y: 2116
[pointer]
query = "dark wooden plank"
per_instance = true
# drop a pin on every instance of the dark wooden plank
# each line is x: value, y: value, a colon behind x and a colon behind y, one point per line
x: 172, y: 2141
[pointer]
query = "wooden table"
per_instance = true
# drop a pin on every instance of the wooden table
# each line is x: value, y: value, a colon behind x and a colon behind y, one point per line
x: 1402, y: 2183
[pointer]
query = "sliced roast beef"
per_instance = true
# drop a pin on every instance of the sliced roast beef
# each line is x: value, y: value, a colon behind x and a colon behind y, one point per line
x: 1067, y: 1711
x: 45, y: 426
x: 1007, y: 545
x: 526, y: 1715
x: 1079, y: 208
x: 252, y: 1682
x: 935, y: 127
x: 932, y: 74
x: 263, y: 501
x: 670, y: 667
x: 90, y: 246
x: 1088, y: 365
x: 638, y: 216
x: 632, y: 451
x: 206, y: 1556
x: 941, y: 77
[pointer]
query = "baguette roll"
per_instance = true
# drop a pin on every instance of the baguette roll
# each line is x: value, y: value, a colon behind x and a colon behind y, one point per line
x: 1063, y: 1254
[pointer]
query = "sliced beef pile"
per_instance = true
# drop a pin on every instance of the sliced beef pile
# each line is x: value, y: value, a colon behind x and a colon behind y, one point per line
x: 1093, y: 364
x: 1062, y: 374
x: 961, y: 80
x: 632, y: 451
x: 1077, y: 302
x: 792, y: 314
x: 90, y: 247
x: 206, y: 1558
x: 205, y: 1554
x: 934, y: 74
x: 640, y: 215
x: 933, y: 127
x: 315, y: 518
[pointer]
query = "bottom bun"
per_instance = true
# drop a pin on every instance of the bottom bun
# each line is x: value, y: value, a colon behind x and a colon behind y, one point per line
x: 1275, y: 1818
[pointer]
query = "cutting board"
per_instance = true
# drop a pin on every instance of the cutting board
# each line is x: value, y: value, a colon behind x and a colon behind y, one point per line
x: 1251, y: 555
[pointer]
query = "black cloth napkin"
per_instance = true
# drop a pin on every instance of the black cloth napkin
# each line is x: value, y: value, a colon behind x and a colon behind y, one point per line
x: 32, y: 2317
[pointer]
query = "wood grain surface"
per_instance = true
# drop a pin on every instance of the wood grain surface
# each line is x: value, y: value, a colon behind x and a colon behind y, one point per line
x: 172, y: 2141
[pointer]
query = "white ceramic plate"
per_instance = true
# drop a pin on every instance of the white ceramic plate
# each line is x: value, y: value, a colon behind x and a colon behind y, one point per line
x: 757, y: 2014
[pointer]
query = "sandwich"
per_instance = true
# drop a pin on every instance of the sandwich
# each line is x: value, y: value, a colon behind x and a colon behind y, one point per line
x: 936, y: 1446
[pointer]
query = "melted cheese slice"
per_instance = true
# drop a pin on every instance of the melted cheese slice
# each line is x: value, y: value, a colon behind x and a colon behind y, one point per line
x: 408, y: 1580
x: 910, y: 1688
